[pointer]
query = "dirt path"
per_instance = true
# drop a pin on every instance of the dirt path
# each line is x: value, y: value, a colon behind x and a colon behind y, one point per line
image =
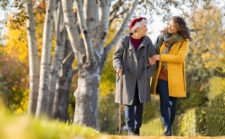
x: 157, y: 137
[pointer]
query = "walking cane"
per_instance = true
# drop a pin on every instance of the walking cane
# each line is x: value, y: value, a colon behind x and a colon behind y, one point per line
x: 120, y: 105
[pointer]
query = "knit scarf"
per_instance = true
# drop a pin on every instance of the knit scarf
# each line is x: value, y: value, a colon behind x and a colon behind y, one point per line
x: 169, y: 40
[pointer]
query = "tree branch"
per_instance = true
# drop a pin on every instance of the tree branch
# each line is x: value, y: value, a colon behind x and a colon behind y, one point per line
x: 109, y: 47
x: 71, y: 54
x: 116, y: 16
x: 69, y: 21
x: 116, y: 7
x: 104, y: 7
x: 86, y: 35
x: 91, y: 16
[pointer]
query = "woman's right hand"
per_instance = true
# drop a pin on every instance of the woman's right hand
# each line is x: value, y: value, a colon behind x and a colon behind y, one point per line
x: 151, y: 60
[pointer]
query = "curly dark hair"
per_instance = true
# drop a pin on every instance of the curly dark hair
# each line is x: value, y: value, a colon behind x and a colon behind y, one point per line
x: 181, y: 26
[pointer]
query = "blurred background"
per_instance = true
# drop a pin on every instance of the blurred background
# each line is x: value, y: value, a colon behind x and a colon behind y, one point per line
x: 202, y: 113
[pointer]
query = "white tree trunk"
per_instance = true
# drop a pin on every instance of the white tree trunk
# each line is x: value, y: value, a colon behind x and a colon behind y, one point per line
x: 61, y: 100
x: 33, y: 59
x: 45, y: 60
x: 91, y: 16
x: 87, y: 97
x: 61, y: 37
x: 89, y: 73
x: 70, y: 23
x: 90, y: 58
x: 104, y: 11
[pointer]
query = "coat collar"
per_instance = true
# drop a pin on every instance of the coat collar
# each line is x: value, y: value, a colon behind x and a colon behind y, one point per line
x: 175, y: 46
x: 143, y: 44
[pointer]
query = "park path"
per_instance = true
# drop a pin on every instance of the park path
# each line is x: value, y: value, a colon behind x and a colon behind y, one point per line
x: 156, y: 137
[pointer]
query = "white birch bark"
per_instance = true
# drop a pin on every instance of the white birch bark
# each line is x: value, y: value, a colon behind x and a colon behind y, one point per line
x: 85, y: 33
x: 33, y: 58
x: 70, y: 23
x: 91, y: 16
x: 89, y: 76
x: 61, y: 101
x: 104, y: 11
x: 87, y: 97
x: 61, y: 36
x: 45, y: 60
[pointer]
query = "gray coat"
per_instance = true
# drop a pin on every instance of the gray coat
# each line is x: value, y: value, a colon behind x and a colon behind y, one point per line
x: 135, y: 68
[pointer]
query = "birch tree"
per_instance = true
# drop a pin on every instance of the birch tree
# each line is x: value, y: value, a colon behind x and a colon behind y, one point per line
x: 61, y: 101
x: 61, y: 37
x: 33, y: 58
x: 45, y: 60
x: 91, y: 58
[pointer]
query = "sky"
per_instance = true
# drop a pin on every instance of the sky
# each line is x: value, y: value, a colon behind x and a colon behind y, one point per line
x: 153, y: 29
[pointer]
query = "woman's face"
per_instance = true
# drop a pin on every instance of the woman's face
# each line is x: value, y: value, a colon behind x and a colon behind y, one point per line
x: 143, y: 30
x: 172, y: 29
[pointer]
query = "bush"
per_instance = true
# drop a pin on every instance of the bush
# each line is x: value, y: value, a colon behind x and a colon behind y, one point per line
x: 206, y: 120
x: 217, y: 86
x: 185, y: 125
x: 215, y: 118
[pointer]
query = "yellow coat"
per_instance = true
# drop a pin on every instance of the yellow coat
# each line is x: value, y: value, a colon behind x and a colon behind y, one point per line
x: 176, y: 69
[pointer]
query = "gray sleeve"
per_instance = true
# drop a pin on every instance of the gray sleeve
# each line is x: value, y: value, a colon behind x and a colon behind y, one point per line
x: 156, y: 45
x: 152, y: 51
x: 118, y: 54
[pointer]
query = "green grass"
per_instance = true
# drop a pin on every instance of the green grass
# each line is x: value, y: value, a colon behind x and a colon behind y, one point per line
x: 152, y: 128
x: 26, y: 127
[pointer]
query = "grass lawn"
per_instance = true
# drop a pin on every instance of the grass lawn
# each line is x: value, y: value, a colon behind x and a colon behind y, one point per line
x: 26, y: 127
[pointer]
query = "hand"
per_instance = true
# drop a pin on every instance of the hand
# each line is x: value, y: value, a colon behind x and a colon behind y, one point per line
x: 151, y: 61
x: 118, y: 70
x: 156, y: 57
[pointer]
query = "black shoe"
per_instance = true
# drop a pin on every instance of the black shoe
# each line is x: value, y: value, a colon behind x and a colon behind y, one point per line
x: 167, y: 133
x: 137, y: 131
x: 131, y: 132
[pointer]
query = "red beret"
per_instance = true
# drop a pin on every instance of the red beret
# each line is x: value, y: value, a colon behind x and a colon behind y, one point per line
x: 135, y: 20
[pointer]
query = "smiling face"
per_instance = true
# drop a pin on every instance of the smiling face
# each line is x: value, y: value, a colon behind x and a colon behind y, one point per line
x: 172, y: 28
x: 142, y: 31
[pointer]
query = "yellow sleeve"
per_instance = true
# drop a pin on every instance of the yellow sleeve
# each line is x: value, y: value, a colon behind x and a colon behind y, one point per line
x: 176, y: 58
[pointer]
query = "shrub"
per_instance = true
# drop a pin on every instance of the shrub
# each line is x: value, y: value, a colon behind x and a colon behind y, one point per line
x: 186, y: 124
x: 215, y: 117
x: 217, y: 86
x: 206, y: 120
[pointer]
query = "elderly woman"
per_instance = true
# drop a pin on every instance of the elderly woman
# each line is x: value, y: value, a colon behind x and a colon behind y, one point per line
x: 169, y: 80
x: 131, y: 57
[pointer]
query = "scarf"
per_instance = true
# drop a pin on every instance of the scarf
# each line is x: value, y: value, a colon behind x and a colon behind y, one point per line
x: 169, y: 40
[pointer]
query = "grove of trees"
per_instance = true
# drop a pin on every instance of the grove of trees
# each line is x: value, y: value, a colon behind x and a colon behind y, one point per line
x: 57, y: 57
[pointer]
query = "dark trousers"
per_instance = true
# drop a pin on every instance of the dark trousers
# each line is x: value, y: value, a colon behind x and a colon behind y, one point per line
x: 134, y: 112
x: 167, y: 105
